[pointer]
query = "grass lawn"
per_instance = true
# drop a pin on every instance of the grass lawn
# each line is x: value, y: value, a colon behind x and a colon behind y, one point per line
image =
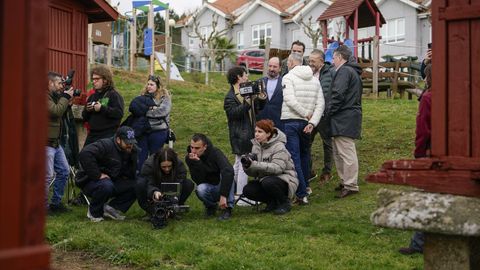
x: 327, y: 234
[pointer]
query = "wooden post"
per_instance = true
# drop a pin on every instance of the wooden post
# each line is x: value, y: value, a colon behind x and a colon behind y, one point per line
x: 152, y: 27
x: 133, y: 40
x: 207, y: 60
x: 168, y: 52
x: 324, y: 35
x: 375, y: 66
x: 91, y: 52
x: 267, y: 56
x: 355, y: 34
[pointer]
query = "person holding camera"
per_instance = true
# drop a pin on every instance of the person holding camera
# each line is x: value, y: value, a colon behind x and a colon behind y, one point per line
x: 270, y: 163
x: 213, y: 174
x: 241, y: 116
x: 57, y: 166
x: 104, y: 109
x: 107, y: 175
x: 151, y: 116
x: 302, y: 109
x: 162, y: 167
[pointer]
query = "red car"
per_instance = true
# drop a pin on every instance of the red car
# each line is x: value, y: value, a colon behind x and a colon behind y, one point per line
x: 253, y: 59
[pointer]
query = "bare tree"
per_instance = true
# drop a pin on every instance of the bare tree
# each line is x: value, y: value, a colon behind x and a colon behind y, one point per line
x: 207, y: 41
x: 314, y: 33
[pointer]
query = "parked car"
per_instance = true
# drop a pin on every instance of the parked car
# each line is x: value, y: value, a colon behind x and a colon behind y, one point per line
x: 252, y: 59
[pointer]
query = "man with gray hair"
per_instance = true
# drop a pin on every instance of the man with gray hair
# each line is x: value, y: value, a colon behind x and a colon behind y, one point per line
x: 302, y: 109
x: 323, y: 72
x: 345, y: 111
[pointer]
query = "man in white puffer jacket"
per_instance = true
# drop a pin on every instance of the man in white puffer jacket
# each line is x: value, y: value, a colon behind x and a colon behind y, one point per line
x: 302, y: 108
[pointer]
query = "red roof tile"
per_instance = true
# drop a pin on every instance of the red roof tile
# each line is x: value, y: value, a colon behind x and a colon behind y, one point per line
x: 228, y: 6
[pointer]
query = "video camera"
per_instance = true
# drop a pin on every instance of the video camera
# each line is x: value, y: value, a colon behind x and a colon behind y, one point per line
x: 252, y: 88
x: 67, y: 83
x: 167, y: 206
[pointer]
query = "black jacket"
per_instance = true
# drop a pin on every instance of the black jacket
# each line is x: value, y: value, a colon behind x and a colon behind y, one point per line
x: 178, y: 175
x: 111, y: 113
x: 105, y: 156
x: 326, y: 75
x: 273, y: 106
x: 345, y: 104
x: 212, y: 168
x: 239, y: 124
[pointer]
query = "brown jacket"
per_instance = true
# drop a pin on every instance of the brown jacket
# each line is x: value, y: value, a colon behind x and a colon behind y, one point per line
x: 57, y: 106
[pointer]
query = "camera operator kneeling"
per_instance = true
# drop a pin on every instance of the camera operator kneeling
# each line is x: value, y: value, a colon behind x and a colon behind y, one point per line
x: 161, y: 167
x: 272, y: 166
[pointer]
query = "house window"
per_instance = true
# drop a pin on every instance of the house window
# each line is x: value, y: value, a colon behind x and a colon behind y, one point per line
x: 240, y: 44
x: 295, y: 35
x: 205, y: 31
x: 394, y: 31
x: 261, y: 32
x: 191, y: 42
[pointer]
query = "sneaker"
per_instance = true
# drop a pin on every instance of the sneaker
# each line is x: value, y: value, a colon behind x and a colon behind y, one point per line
x: 282, y: 209
x: 301, y: 201
x: 226, y: 215
x: 210, y: 211
x: 112, y: 213
x: 312, y: 176
x: 57, y: 209
x: 245, y: 202
x: 92, y: 218
x: 309, y: 190
x: 346, y: 192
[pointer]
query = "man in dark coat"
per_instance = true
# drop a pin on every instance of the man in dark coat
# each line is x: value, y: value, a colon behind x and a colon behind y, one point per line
x: 345, y: 112
x: 109, y: 166
x: 241, y: 119
x: 273, y: 85
x: 297, y: 47
x: 104, y: 108
x: 322, y: 71
x: 213, y: 174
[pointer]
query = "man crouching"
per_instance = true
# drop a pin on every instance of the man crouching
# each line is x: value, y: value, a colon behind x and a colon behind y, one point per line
x: 213, y: 174
x: 108, y: 168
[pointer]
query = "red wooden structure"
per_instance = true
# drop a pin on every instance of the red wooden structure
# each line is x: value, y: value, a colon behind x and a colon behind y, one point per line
x: 68, y: 34
x: 357, y: 14
x: 455, y: 164
x: 24, y: 62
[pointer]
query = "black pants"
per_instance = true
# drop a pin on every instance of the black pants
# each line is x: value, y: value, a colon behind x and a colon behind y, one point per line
x: 141, y: 187
x: 270, y: 189
x: 324, y: 129
x: 121, y: 194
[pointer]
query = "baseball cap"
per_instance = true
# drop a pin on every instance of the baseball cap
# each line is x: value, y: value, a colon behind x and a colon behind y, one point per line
x: 126, y: 134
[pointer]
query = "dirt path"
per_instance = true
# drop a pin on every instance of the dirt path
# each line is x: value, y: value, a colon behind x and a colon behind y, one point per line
x: 77, y: 260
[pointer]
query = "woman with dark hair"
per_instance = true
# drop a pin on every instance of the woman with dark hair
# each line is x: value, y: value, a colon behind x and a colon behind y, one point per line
x: 162, y: 167
x: 270, y: 163
x: 240, y: 118
x: 151, y: 116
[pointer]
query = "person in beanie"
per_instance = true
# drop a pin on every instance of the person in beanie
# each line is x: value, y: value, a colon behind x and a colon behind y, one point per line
x: 109, y: 168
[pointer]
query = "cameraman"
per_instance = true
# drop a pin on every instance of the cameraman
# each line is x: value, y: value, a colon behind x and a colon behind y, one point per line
x: 240, y: 120
x: 57, y: 165
x: 162, y: 167
x: 270, y: 163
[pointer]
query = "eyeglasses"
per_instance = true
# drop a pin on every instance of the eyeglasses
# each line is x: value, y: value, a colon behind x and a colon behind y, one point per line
x: 94, y: 79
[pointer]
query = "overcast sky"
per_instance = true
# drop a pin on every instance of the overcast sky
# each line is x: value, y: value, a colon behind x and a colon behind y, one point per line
x: 179, y: 6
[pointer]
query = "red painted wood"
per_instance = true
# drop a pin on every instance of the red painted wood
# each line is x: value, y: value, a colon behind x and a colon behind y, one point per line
x: 439, y: 81
x: 355, y: 33
x: 450, y: 182
x: 475, y: 88
x: 461, y: 12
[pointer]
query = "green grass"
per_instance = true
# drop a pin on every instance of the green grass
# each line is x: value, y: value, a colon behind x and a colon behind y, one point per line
x: 327, y: 234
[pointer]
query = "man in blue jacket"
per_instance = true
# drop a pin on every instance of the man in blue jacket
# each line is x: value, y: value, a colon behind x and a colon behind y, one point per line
x: 273, y: 85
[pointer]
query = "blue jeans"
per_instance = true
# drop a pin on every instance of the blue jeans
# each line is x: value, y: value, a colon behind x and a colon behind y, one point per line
x: 210, y: 195
x: 149, y: 144
x: 298, y: 144
x: 58, y: 169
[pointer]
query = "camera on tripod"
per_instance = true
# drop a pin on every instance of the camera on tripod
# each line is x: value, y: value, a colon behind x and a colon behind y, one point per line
x: 251, y: 88
x: 67, y: 83
x: 167, y: 207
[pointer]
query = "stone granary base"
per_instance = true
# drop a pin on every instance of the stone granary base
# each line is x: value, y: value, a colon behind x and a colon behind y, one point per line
x: 451, y: 225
